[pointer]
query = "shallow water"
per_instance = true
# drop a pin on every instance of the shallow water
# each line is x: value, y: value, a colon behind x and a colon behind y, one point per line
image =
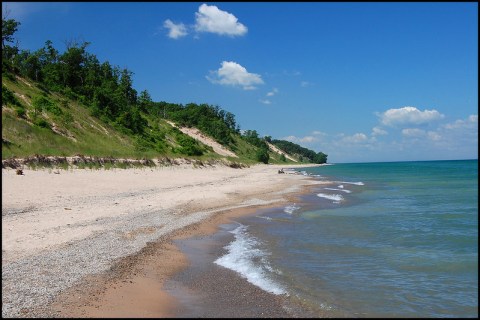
x: 384, y: 240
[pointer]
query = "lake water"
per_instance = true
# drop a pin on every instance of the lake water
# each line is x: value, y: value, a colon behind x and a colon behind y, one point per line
x: 396, y: 239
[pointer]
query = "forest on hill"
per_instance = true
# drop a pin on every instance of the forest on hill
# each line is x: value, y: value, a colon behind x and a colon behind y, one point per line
x: 53, y: 98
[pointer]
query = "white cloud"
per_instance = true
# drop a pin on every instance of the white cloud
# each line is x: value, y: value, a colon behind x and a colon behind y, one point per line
x: 233, y: 74
x: 471, y: 122
x: 306, y: 139
x: 266, y: 101
x: 408, y: 116
x: 413, y: 132
x: 272, y: 93
x: 356, y: 138
x: 434, y: 136
x: 377, y: 131
x: 212, y: 19
x: 175, y: 30
x: 290, y: 138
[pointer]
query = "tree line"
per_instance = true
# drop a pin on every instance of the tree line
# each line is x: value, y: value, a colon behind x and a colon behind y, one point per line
x: 303, y: 154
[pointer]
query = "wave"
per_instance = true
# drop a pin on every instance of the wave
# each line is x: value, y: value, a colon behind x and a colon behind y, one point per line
x: 242, y: 252
x: 264, y: 217
x: 291, y: 208
x: 334, y: 189
x: 360, y: 183
x: 334, y: 197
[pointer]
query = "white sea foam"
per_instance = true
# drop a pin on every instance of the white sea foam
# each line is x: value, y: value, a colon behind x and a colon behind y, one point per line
x: 360, y: 183
x: 334, y: 189
x: 341, y: 186
x: 291, y: 208
x: 264, y: 217
x: 334, y: 197
x: 242, y: 252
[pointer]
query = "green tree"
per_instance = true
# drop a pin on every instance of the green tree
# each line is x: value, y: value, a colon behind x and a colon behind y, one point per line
x: 230, y: 120
x: 262, y: 155
x: 125, y: 87
x: 145, y: 101
x: 133, y: 120
x: 72, y: 63
x: 321, y: 158
x: 9, y: 27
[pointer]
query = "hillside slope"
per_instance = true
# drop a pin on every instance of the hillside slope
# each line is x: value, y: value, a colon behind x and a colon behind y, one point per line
x: 36, y: 121
x: 198, y: 135
x: 280, y: 152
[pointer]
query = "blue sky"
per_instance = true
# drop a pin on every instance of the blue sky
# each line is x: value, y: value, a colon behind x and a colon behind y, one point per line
x: 360, y: 82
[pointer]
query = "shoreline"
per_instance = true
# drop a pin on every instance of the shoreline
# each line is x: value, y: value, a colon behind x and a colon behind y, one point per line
x: 207, y: 290
x: 130, y: 272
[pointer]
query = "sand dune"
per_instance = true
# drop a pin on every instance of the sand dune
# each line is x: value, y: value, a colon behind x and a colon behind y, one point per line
x: 275, y: 149
x: 196, y: 134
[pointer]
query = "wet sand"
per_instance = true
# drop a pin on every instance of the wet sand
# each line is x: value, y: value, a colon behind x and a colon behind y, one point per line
x: 176, y: 277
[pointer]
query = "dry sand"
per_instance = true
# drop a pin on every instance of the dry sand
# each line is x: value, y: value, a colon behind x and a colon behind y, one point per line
x: 65, y: 237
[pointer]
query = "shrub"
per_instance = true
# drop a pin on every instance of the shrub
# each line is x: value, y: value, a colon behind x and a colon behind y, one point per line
x: 42, y: 123
x: 189, y: 146
x: 43, y: 103
x: 263, y: 156
x: 8, y: 98
x: 20, y: 111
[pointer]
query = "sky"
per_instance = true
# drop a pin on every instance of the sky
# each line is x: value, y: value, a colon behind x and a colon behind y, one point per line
x: 361, y: 82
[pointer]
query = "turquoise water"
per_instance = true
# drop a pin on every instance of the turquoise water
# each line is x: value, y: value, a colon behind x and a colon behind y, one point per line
x: 383, y: 240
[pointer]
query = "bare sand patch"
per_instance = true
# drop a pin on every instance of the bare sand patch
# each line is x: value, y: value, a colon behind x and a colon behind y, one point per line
x: 196, y: 134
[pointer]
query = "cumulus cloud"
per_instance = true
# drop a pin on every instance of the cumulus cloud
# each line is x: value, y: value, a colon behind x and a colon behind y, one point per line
x: 306, y: 139
x: 434, y: 136
x: 266, y: 101
x: 233, y: 74
x: 470, y: 122
x: 377, y: 131
x: 409, y: 116
x: 175, y: 31
x: 356, y: 138
x: 211, y: 19
x: 413, y: 132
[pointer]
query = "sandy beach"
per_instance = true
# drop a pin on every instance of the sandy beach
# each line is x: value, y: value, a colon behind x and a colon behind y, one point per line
x: 95, y: 243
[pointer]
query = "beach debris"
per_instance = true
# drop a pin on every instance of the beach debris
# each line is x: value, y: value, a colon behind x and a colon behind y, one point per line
x: 19, y: 172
